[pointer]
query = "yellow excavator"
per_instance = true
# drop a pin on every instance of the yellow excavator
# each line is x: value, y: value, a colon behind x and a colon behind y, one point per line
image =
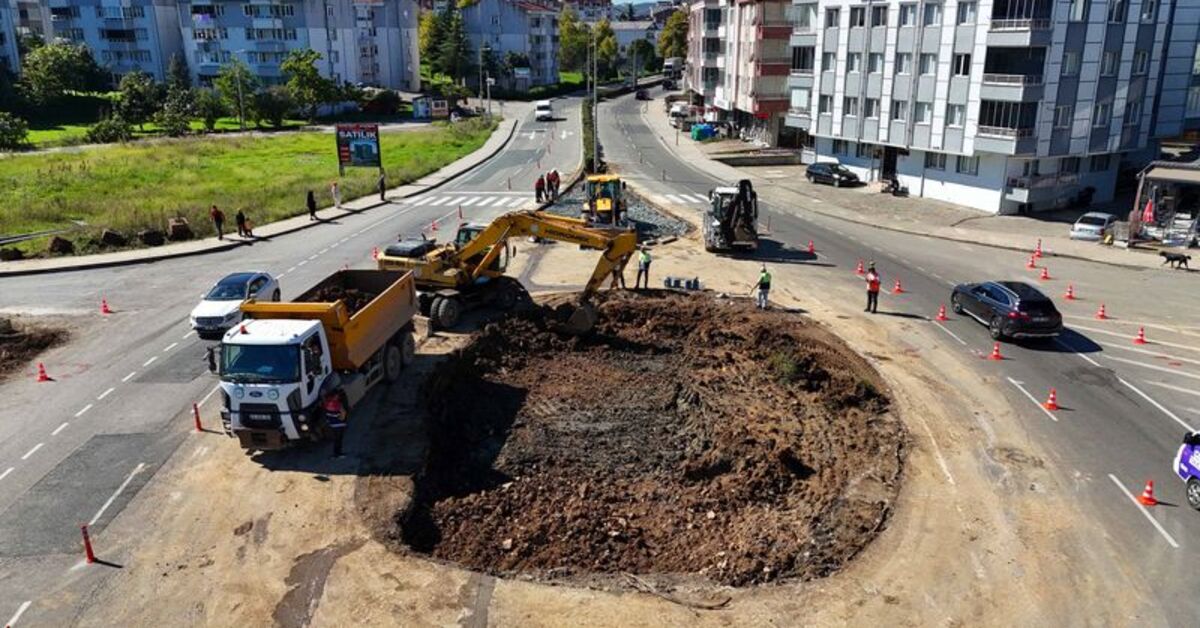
x: 605, y: 204
x: 469, y: 272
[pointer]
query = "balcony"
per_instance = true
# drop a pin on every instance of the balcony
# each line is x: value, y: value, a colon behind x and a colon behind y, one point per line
x: 1024, y: 24
x: 1000, y: 131
x: 1012, y: 79
x: 1022, y: 32
x: 1012, y: 87
x: 1039, y: 188
x: 1005, y: 140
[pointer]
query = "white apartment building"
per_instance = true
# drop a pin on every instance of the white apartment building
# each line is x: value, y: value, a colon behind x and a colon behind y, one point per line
x: 123, y: 35
x: 1007, y: 106
x: 9, y: 58
x: 518, y: 26
x: 372, y: 43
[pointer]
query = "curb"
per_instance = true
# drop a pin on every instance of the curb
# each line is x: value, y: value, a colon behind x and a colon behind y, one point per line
x: 218, y: 248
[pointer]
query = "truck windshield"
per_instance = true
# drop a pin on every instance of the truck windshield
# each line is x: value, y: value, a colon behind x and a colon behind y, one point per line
x: 260, y: 363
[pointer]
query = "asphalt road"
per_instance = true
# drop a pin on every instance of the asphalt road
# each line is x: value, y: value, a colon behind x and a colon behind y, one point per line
x: 1126, y: 407
x: 77, y: 450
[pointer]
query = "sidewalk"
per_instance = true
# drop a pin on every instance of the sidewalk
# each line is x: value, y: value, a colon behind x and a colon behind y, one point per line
x: 786, y: 186
x: 490, y: 148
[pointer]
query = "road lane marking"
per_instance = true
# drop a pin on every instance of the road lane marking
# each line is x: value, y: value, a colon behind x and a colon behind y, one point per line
x: 1156, y: 354
x: 150, y: 361
x: 281, y: 275
x: 210, y: 394
x: 20, y: 609
x: 1157, y: 525
x: 1186, y: 391
x: 188, y: 335
x: 472, y: 200
x: 171, y: 346
x: 1153, y: 367
x: 323, y: 251
x: 1158, y: 405
x: 59, y: 428
x: 6, y: 472
x: 1128, y: 337
x: 31, y: 451
x: 85, y: 409
x: 1037, y: 403
x: 129, y: 376
x: 423, y: 200
x: 515, y: 202
x: 105, y: 394
x: 120, y: 489
x: 312, y: 257
x: 335, y: 245
x: 1068, y: 347
x: 952, y: 334
x: 302, y: 262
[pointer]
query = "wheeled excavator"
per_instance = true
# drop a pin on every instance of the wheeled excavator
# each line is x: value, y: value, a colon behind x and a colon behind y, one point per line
x: 470, y: 271
x: 731, y: 219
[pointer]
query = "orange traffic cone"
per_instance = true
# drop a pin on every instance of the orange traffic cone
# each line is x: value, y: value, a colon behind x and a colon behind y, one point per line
x: 1037, y: 252
x: 1101, y: 315
x: 1052, y: 401
x: 897, y: 289
x: 860, y: 271
x: 1141, y: 337
x: 1147, y: 496
x: 42, y: 376
x: 1032, y: 263
x: 811, y: 249
x: 1045, y: 274
x: 941, y: 315
x: 104, y: 306
x: 1070, y: 295
x: 995, y: 352
x: 375, y: 252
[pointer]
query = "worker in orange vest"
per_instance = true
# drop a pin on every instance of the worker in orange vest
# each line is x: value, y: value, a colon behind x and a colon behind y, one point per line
x: 335, y: 419
x: 872, y: 289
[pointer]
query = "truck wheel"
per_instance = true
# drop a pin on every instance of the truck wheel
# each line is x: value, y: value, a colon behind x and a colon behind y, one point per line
x: 408, y: 347
x: 446, y: 312
x: 275, y: 296
x: 1193, y: 493
x: 393, y: 362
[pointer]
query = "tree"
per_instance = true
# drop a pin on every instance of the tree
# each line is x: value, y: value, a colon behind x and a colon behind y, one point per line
x: 28, y: 42
x: 52, y: 70
x: 672, y: 41
x: 140, y: 97
x: 237, y: 86
x: 109, y: 130
x: 272, y: 105
x: 305, y: 84
x: 627, y: 13
x: 14, y: 133
x: 208, y: 106
x: 177, y: 73
x: 12, y: 97
x: 643, y: 51
x: 574, y: 37
x: 607, y: 49
x: 175, y: 116
x: 429, y: 33
x: 454, y: 53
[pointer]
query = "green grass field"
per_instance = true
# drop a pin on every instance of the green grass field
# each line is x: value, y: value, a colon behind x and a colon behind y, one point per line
x: 139, y: 185
x: 66, y: 134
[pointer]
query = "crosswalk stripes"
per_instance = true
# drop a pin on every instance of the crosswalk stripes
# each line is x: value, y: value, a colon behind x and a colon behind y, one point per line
x: 682, y: 199
x: 478, y: 200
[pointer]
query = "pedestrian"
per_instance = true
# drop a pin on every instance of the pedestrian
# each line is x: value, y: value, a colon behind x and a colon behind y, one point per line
x: 240, y: 219
x: 643, y: 268
x: 249, y: 228
x: 552, y: 181
x: 764, y: 287
x: 335, y: 419
x: 872, y: 289
x: 312, y: 206
x: 382, y: 186
x: 218, y: 218
x: 539, y: 188
x: 336, y: 193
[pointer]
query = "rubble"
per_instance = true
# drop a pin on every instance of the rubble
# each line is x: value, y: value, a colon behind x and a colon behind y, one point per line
x: 650, y: 223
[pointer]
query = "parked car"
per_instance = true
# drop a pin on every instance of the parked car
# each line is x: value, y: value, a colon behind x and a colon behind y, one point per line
x: 836, y: 175
x: 1187, y: 467
x: 1092, y: 226
x: 221, y: 308
x: 1010, y: 309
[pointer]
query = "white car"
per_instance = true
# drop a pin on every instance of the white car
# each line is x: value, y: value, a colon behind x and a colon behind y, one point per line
x: 543, y: 110
x: 221, y: 308
x: 1092, y: 226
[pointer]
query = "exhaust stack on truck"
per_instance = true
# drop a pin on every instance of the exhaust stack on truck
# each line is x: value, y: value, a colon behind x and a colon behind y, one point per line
x: 346, y: 334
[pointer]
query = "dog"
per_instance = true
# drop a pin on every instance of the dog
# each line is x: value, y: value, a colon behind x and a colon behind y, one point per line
x: 1176, y: 260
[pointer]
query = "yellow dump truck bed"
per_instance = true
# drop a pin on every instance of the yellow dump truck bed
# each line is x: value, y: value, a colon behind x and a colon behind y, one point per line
x: 360, y: 310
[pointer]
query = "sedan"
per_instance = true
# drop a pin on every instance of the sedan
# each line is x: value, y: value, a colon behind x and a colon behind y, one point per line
x: 221, y: 308
x: 1092, y: 226
x: 836, y: 175
x: 1010, y: 309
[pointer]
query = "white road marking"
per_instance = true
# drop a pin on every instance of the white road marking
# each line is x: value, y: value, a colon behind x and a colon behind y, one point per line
x: 59, y: 428
x: 952, y: 334
x: 1153, y: 367
x: 312, y: 257
x: 922, y: 269
x: 1158, y: 405
x: 675, y: 199
x: 515, y: 202
x: 105, y: 394
x: 302, y: 262
x: 20, y: 609
x: 457, y: 201
x: 699, y: 198
x: 472, y: 200
x: 6, y: 472
x: 210, y: 394
x: 1130, y: 338
x: 188, y: 335
x: 129, y: 376
x: 281, y: 275
x: 1076, y: 352
x: 323, y: 251
x: 120, y: 489
x: 1186, y: 391
x: 335, y: 245
x: 1157, y: 525
x: 1037, y: 403
x: 31, y: 451
x: 171, y: 346
x: 424, y: 200
x: 291, y: 269
x: 150, y: 361
x: 1157, y: 354
x: 85, y: 409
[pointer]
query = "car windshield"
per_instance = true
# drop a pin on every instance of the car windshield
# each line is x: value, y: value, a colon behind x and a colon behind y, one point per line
x: 1093, y: 221
x: 602, y: 189
x: 840, y: 169
x: 255, y: 364
x: 228, y: 291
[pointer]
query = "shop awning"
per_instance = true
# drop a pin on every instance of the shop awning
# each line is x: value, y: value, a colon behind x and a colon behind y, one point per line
x: 1173, y: 174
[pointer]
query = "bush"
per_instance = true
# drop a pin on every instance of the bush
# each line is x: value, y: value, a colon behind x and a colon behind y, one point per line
x: 114, y: 129
x: 209, y: 107
x: 273, y: 104
x: 172, y: 123
x: 383, y: 102
x: 14, y: 133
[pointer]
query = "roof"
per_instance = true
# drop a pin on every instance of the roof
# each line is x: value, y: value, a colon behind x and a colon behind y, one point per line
x: 269, y: 331
x: 1177, y: 173
x: 1023, y: 290
x: 534, y: 7
x: 236, y: 278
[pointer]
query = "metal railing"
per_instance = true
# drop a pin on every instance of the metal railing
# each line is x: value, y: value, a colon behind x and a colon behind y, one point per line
x: 802, y: 72
x: 1020, y: 25
x: 800, y: 111
x: 1000, y: 131
x: 1013, y: 79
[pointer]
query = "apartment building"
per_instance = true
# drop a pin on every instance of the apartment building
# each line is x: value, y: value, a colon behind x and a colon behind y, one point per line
x: 123, y: 35
x: 1008, y: 106
x: 517, y: 26
x: 370, y: 43
x: 9, y: 59
x: 32, y: 18
x: 591, y: 11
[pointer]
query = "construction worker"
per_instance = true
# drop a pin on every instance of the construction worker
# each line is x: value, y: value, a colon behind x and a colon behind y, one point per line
x: 539, y: 187
x: 643, y: 268
x: 872, y: 288
x: 764, y: 287
x: 335, y: 418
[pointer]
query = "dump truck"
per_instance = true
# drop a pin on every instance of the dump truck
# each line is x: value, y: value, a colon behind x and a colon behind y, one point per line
x: 731, y: 219
x: 351, y: 331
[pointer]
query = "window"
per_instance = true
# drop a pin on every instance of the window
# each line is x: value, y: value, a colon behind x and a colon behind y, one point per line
x: 928, y: 63
x: 956, y: 115
x: 805, y: 17
x: 832, y: 16
x: 801, y: 98
x: 1133, y: 112
x: 1101, y: 114
x: 1063, y: 115
x: 840, y: 147
x: 802, y: 60
x: 966, y: 13
x: 1196, y: 61
x: 863, y: 149
x: 904, y: 63
x: 875, y: 62
x: 858, y: 17
x: 935, y: 161
x: 854, y: 62
x: 825, y: 104
x: 932, y: 15
x: 967, y: 165
x: 828, y: 61
x: 900, y: 110
x: 871, y: 108
x: 1108, y: 63
x: 1141, y: 62
x: 1117, y: 10
x: 924, y: 112
x: 1193, y: 101
x: 1069, y: 165
x: 962, y: 65
x: 1099, y: 163
x: 850, y: 106
x: 1149, y: 10
x: 908, y: 14
x: 1031, y: 168
x: 1070, y: 63
x: 1078, y: 11
x: 879, y: 15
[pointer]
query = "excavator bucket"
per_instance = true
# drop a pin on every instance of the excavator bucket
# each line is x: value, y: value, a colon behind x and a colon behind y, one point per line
x: 577, y: 320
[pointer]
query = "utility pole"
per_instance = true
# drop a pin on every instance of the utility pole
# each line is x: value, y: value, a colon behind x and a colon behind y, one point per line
x: 595, y: 103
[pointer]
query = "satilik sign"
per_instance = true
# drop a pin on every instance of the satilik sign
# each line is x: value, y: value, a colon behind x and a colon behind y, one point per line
x: 358, y: 146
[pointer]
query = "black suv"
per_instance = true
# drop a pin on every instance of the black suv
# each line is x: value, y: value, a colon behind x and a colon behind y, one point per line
x: 1010, y: 309
x: 836, y: 175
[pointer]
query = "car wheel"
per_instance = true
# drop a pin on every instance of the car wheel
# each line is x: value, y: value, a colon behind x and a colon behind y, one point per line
x: 393, y: 363
x: 275, y: 296
x: 809, y: 177
x: 995, y: 328
x: 956, y: 304
x: 837, y: 183
x: 1193, y: 493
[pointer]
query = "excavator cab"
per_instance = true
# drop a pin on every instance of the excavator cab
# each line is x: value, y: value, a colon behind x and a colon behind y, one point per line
x: 605, y: 199
x: 469, y: 231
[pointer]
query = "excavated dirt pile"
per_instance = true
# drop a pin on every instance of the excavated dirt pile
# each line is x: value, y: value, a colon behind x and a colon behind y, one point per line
x: 20, y: 343
x: 687, y: 435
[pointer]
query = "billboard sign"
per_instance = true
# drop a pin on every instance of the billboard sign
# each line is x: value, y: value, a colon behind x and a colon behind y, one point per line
x: 358, y: 145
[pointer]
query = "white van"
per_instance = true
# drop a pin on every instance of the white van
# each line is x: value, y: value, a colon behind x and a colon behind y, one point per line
x: 543, y: 110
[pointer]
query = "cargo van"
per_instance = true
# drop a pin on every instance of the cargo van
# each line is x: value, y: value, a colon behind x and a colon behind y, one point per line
x: 543, y: 110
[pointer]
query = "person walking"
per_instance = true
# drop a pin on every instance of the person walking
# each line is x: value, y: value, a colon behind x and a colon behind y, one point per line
x: 336, y: 193
x: 764, y: 288
x: 539, y: 188
x: 240, y: 219
x: 312, y: 205
x: 382, y: 186
x: 873, y: 282
x: 218, y: 219
x: 643, y: 268
x: 335, y: 418
x: 553, y: 181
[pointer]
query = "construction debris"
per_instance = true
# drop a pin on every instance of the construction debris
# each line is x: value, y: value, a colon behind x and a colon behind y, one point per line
x: 20, y: 342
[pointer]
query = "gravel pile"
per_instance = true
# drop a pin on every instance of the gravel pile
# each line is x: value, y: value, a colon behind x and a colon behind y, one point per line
x: 650, y: 223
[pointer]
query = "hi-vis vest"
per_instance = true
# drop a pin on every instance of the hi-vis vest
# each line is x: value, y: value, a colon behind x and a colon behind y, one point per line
x: 873, y: 281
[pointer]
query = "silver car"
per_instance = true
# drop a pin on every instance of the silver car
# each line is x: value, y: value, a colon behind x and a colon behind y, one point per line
x: 1092, y: 226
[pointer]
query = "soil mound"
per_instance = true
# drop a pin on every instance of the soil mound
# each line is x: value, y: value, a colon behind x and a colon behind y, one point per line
x: 20, y: 343
x: 687, y: 435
